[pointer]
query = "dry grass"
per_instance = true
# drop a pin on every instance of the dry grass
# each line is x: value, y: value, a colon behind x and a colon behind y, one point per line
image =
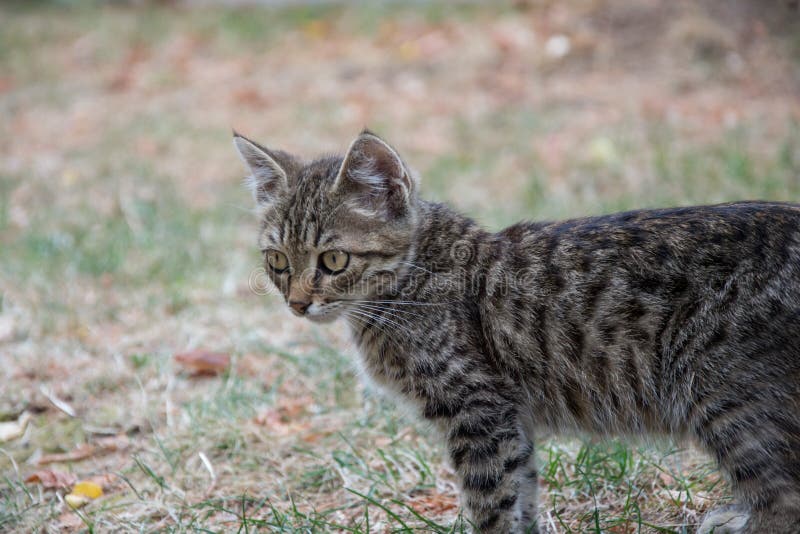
x: 125, y: 236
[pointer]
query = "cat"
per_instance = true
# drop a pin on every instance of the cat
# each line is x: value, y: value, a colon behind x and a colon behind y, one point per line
x: 680, y: 322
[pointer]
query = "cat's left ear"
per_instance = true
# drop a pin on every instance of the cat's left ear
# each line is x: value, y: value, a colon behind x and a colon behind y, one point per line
x: 373, y: 173
x: 270, y: 169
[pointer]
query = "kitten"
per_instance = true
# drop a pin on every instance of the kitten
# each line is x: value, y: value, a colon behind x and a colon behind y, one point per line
x: 677, y: 322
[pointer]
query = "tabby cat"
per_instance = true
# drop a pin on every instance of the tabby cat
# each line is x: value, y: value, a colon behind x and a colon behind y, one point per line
x: 679, y: 322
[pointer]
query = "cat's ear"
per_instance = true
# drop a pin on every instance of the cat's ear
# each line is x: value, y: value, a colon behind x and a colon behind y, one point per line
x: 373, y: 173
x: 269, y: 178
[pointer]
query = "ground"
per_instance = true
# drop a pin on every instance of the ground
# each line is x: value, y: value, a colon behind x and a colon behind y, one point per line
x: 127, y: 245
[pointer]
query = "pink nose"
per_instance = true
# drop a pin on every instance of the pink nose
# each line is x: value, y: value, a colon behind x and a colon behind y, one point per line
x: 300, y: 306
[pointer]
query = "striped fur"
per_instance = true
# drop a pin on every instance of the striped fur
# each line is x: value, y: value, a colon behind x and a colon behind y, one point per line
x: 677, y: 322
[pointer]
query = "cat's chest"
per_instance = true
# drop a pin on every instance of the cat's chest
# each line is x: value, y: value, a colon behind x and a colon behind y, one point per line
x: 383, y: 359
x: 385, y: 363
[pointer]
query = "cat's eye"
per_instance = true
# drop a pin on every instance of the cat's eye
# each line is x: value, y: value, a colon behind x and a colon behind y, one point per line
x: 277, y: 260
x: 335, y: 261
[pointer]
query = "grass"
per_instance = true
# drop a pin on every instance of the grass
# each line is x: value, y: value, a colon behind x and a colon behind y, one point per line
x: 126, y: 237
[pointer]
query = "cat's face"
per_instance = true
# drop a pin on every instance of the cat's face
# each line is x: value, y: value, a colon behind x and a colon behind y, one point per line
x: 334, y: 232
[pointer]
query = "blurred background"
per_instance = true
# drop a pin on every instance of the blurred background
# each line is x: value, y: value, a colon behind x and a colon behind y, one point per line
x: 134, y: 353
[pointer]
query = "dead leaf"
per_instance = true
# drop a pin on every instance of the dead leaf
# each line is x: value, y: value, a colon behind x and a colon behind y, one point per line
x: 434, y: 503
x: 13, y: 429
x: 87, y: 488
x: 81, y: 452
x: 203, y: 362
x: 6, y: 84
x: 293, y: 407
x: 272, y: 419
x: 314, y: 437
x: 58, y: 403
x: 120, y: 442
x: 278, y: 424
x: 52, y: 479
x: 619, y: 529
x: 82, y: 493
x: 146, y: 147
x: 70, y: 522
x: 76, y: 501
x: 316, y: 29
x: 102, y: 445
x: 251, y: 97
x: 125, y: 76
x: 383, y: 441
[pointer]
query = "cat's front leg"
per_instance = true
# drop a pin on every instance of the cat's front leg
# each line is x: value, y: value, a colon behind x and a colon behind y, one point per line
x: 495, y: 463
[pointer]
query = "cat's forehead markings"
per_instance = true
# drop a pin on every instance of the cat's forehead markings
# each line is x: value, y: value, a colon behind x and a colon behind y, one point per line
x: 286, y: 231
x: 309, y: 228
x: 329, y: 239
x: 269, y: 237
x: 317, y: 234
x: 281, y: 231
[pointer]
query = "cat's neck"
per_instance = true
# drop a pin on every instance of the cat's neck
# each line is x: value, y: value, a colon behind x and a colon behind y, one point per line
x: 444, y: 264
x: 444, y: 239
x: 447, y: 256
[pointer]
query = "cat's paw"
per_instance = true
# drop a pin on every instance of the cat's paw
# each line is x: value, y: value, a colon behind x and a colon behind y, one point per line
x: 728, y: 520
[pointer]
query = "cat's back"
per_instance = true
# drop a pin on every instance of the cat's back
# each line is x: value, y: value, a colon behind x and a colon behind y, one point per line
x: 643, y: 308
x: 716, y: 239
x: 657, y: 263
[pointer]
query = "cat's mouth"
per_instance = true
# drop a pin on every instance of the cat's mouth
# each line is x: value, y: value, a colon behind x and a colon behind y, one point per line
x: 319, y: 313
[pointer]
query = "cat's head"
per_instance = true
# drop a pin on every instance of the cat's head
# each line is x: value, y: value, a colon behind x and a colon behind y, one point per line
x: 336, y: 231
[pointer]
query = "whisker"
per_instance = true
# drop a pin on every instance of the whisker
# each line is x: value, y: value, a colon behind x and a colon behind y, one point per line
x: 406, y: 302
x: 390, y: 331
x: 401, y: 322
x: 378, y: 318
x: 391, y: 311
x: 356, y: 318
x: 400, y: 326
x: 410, y: 264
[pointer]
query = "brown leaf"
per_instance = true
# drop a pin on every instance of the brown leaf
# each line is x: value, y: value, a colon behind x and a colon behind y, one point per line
x: 81, y: 452
x: 294, y: 407
x: 278, y: 424
x: 126, y: 73
x: 434, y: 503
x: 102, y: 445
x: 314, y: 437
x: 666, y: 478
x: 273, y: 420
x: 203, y: 362
x: 120, y: 442
x: 52, y: 479
x: 620, y: 529
x: 251, y: 97
x: 6, y: 84
x: 69, y: 521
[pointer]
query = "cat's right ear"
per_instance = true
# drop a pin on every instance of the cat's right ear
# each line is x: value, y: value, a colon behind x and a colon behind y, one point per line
x: 269, y: 169
x: 376, y: 178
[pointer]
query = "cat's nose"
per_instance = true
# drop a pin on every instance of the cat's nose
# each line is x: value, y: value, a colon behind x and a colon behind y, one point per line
x: 299, y: 306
